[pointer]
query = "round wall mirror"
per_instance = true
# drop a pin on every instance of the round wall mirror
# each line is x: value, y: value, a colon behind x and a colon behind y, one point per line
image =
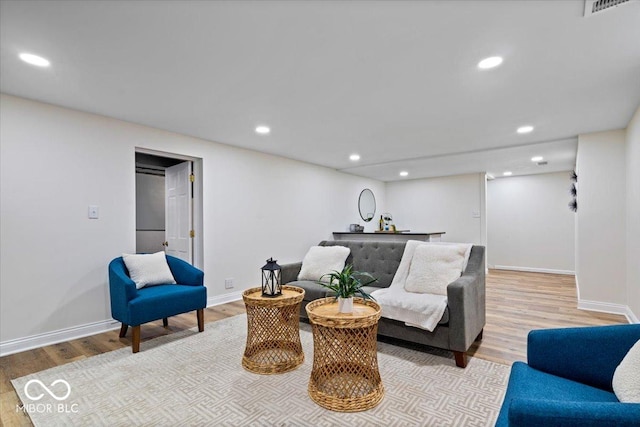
x: 367, y: 205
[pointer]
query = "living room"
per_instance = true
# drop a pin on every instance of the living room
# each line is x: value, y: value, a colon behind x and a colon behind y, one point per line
x: 257, y: 202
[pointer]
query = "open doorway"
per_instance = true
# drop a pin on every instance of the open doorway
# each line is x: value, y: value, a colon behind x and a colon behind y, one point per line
x: 168, y: 205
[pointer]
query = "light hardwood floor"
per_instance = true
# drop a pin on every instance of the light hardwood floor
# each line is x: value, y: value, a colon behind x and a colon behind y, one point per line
x: 517, y: 302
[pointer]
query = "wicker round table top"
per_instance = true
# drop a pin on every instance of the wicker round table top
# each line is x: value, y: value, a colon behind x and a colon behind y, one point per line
x: 290, y: 295
x: 273, y: 334
x: 324, y: 312
x: 345, y: 374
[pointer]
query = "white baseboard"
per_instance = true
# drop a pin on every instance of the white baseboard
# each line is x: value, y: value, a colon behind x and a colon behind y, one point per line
x: 62, y: 335
x: 534, y: 270
x: 607, y: 307
x: 631, y: 316
x: 223, y: 299
x: 35, y: 341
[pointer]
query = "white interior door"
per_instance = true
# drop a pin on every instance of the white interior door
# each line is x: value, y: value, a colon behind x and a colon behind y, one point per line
x: 178, y: 211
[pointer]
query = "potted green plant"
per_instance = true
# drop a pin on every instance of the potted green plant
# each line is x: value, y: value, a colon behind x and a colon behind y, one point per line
x: 346, y: 284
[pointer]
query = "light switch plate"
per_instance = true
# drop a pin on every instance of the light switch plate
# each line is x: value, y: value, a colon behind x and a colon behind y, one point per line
x: 475, y: 214
x: 94, y: 212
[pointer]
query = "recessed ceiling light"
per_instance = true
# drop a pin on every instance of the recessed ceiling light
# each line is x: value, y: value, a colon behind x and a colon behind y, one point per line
x: 490, y: 62
x: 36, y: 60
x: 263, y: 130
x: 354, y: 157
x: 525, y: 129
x: 507, y: 173
x: 404, y: 173
x: 537, y: 159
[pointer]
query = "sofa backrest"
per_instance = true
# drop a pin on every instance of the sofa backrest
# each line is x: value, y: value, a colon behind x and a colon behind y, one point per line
x: 380, y: 259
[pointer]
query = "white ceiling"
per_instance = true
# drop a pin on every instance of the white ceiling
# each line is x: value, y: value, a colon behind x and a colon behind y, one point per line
x: 396, y: 82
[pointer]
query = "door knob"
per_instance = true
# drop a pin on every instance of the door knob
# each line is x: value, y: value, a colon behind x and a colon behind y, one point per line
x: 165, y: 244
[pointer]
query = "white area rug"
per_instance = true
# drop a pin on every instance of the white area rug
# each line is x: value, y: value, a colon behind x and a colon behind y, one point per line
x: 191, y: 378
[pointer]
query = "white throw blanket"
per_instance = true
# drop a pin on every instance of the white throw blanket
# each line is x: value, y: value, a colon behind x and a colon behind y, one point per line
x: 419, y: 310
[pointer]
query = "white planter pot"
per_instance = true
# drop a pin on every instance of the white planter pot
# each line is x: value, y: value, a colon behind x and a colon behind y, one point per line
x: 345, y: 305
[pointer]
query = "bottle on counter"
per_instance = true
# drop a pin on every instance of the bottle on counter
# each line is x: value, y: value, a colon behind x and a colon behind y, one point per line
x: 381, y: 228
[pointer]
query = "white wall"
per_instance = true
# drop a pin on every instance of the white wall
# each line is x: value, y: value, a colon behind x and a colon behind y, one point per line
x: 633, y: 215
x: 55, y: 162
x: 600, y: 221
x: 530, y: 226
x: 441, y: 204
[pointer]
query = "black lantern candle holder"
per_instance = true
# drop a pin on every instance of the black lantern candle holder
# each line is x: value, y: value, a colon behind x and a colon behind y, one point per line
x: 271, y: 279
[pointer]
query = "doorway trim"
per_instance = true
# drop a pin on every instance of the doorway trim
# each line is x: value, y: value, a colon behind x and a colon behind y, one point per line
x: 198, y: 205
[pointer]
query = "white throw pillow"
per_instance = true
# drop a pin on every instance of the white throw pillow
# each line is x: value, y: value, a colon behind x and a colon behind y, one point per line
x: 626, y: 378
x: 433, y: 267
x: 148, y: 269
x: 321, y: 260
x: 465, y: 246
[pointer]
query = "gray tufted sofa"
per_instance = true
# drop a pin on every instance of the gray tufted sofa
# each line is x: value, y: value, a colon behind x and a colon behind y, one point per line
x: 463, y: 320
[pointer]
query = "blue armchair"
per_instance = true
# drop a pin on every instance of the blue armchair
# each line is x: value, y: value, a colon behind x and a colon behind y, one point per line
x: 567, y: 381
x: 134, y: 307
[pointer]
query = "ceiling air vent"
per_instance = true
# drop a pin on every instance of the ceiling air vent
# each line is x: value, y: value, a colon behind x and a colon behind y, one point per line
x: 592, y: 7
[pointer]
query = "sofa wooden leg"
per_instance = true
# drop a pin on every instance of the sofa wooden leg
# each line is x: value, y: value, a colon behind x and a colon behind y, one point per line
x: 123, y: 330
x: 135, y: 345
x: 200, y: 314
x: 479, y: 337
x: 461, y: 359
x: 165, y: 322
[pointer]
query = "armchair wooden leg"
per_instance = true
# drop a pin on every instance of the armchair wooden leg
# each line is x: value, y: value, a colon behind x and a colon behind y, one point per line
x: 200, y: 314
x: 165, y: 322
x: 461, y: 359
x: 135, y: 345
x: 123, y: 330
x: 479, y: 337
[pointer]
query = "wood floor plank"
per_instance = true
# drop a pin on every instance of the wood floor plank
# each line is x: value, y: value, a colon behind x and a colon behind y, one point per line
x: 63, y: 352
x: 517, y: 302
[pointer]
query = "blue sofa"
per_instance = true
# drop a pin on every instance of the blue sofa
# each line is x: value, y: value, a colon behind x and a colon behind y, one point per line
x: 567, y: 381
x: 134, y: 307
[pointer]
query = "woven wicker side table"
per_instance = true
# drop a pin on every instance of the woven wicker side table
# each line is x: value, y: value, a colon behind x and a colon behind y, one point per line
x: 273, y: 333
x: 345, y: 375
